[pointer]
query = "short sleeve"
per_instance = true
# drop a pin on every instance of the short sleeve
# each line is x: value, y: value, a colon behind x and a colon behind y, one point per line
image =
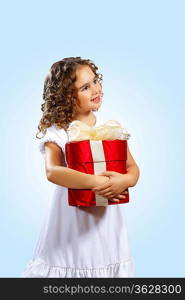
x: 55, y: 135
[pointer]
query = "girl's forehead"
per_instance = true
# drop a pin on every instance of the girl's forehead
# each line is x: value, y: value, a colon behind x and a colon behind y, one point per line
x: 84, y: 74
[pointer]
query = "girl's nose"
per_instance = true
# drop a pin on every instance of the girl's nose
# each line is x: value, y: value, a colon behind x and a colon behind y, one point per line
x: 96, y: 91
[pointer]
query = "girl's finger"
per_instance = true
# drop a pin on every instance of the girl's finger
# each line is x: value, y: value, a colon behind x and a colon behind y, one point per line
x: 113, y: 200
x: 108, y: 195
x: 113, y: 195
x: 103, y: 190
x: 117, y: 198
x: 103, y: 193
x: 124, y: 192
x: 101, y: 187
x: 121, y: 196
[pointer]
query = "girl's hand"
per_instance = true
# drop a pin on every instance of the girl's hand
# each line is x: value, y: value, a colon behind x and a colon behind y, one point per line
x: 119, y: 197
x: 114, y: 186
x: 100, y: 180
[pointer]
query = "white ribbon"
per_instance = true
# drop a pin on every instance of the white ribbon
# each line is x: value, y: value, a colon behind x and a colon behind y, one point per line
x: 99, y: 167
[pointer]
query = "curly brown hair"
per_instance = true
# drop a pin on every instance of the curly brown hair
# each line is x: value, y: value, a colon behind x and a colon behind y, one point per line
x: 60, y: 94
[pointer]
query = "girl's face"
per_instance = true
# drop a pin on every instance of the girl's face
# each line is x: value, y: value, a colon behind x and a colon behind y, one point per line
x: 88, y: 88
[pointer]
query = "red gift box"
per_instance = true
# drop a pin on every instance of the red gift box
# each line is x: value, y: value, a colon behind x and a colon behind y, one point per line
x: 94, y: 157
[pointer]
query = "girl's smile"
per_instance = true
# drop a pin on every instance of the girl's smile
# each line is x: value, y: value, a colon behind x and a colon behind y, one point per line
x: 96, y: 100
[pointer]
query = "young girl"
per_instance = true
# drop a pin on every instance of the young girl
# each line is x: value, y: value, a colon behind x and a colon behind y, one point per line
x: 79, y: 241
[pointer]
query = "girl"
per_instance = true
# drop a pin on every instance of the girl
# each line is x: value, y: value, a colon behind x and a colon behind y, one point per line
x: 79, y: 241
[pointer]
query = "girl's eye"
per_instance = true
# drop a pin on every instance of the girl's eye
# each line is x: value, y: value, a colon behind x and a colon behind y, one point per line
x: 95, y: 80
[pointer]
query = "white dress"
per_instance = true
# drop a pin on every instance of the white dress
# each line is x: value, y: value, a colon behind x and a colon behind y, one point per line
x: 80, y: 242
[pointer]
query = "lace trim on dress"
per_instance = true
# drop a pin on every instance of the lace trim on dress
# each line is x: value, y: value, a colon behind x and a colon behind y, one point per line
x: 38, y: 268
x: 41, y: 145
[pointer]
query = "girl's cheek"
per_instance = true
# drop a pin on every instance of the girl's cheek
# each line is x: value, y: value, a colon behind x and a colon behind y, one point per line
x: 99, y: 86
x: 87, y: 95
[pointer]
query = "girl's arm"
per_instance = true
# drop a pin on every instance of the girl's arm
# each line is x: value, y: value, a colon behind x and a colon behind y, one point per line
x: 133, y: 171
x: 58, y: 173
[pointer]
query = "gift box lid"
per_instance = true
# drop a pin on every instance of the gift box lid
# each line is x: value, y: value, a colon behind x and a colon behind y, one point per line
x: 81, y: 151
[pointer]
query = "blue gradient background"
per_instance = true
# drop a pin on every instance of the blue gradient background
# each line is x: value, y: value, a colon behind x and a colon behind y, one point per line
x: 139, y: 48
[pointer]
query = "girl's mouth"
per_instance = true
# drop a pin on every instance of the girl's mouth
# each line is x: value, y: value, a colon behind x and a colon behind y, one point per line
x: 96, y: 100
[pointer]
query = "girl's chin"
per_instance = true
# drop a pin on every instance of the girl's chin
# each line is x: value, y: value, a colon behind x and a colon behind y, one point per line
x: 96, y: 107
x: 98, y: 104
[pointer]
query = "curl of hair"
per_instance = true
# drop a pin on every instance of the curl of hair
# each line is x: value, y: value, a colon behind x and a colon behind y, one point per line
x: 60, y: 94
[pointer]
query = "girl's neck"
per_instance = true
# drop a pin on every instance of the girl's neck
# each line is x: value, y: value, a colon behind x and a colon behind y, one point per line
x: 89, y: 119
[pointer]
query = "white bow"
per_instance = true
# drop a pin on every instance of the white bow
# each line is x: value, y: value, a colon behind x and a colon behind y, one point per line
x: 110, y: 130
